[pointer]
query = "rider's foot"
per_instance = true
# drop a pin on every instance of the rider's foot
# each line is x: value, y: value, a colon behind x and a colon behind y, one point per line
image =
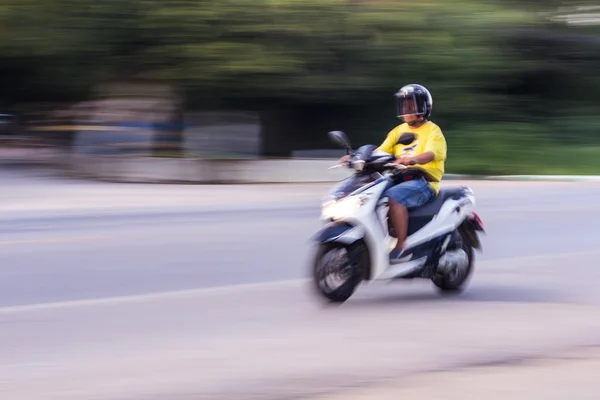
x: 398, y: 256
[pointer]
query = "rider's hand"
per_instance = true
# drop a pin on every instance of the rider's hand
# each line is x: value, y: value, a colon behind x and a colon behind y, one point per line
x: 404, y: 160
x: 344, y: 159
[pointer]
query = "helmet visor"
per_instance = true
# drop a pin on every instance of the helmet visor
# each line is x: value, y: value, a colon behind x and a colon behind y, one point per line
x: 407, y: 104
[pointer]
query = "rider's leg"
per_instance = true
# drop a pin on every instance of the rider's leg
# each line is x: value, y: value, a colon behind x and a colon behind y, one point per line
x: 398, y: 215
x: 402, y: 197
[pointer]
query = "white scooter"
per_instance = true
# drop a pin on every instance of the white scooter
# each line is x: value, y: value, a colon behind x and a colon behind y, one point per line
x: 355, y: 243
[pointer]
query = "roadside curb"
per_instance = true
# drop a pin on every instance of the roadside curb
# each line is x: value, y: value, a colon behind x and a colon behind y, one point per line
x: 156, y: 170
x: 246, y: 171
x: 203, y: 171
x: 548, y: 178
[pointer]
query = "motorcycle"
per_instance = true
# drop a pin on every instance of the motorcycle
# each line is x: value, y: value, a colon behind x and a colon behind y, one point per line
x: 354, y: 244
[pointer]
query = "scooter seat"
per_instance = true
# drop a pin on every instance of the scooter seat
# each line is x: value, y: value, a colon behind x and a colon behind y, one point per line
x: 433, y: 207
x: 420, y: 216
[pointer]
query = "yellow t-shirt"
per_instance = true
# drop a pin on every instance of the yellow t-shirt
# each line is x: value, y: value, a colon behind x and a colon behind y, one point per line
x: 429, y: 137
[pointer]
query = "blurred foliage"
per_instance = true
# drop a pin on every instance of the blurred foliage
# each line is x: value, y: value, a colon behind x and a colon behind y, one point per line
x: 505, y: 75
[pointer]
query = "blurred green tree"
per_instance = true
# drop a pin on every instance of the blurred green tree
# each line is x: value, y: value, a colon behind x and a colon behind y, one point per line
x: 313, y: 65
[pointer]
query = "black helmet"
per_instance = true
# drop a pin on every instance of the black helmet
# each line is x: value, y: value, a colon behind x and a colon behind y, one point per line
x: 413, y: 99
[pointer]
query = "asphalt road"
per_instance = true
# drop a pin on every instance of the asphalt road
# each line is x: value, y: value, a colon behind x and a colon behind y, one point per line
x: 197, y: 303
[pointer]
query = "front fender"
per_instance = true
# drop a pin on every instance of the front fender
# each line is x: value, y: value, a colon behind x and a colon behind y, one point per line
x: 340, y: 232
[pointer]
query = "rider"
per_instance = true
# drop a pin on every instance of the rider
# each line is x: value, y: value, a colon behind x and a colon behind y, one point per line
x: 427, y: 153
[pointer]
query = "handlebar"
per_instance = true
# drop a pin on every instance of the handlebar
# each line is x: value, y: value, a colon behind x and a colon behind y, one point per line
x: 397, y: 166
x: 390, y: 165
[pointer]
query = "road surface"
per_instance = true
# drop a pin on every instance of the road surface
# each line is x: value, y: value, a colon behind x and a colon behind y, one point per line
x: 174, y: 296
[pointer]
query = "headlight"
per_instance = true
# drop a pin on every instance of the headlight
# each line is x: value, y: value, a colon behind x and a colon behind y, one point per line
x: 340, y: 209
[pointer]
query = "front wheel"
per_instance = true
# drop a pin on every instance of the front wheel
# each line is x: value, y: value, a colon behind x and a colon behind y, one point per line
x: 338, y: 269
x: 455, y: 281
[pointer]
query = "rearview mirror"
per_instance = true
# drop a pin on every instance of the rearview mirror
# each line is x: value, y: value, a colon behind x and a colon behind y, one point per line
x: 406, y: 138
x: 340, y: 138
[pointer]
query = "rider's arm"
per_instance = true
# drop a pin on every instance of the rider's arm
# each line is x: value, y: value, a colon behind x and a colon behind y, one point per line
x: 435, y: 149
x: 424, y: 158
x: 437, y: 145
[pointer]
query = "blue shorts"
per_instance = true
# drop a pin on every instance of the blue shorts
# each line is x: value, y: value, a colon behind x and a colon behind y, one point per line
x: 411, y: 194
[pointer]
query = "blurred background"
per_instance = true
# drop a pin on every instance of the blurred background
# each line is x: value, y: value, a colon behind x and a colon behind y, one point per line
x: 168, y: 292
x: 515, y: 83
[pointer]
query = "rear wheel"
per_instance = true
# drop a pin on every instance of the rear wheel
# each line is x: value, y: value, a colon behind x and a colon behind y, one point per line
x: 455, y: 280
x: 338, y: 270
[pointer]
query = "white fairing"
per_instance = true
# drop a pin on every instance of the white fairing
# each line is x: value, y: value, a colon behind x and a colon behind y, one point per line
x: 450, y: 217
x: 375, y: 234
x: 367, y: 211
